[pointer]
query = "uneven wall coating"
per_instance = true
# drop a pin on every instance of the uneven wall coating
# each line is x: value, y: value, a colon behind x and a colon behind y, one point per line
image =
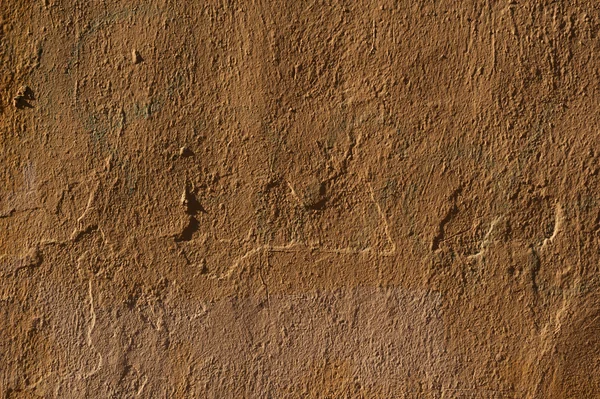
x: 292, y: 199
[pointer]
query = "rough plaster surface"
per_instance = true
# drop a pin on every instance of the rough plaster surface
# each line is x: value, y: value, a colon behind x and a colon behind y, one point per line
x: 291, y: 199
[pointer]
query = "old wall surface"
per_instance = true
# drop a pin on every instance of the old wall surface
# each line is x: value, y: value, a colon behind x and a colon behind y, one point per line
x: 299, y: 199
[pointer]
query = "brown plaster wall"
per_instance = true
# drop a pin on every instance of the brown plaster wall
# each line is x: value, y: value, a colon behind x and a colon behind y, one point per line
x: 292, y: 199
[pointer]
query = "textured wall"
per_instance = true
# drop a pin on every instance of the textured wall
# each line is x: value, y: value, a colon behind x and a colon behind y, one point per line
x: 273, y: 199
